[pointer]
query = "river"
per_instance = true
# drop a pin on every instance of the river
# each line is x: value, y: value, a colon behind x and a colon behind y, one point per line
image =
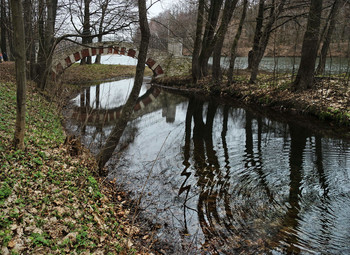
x: 220, y: 178
x: 335, y: 65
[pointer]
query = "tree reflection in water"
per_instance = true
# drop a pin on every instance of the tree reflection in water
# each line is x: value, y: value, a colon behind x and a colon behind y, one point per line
x: 247, y: 215
x: 247, y: 184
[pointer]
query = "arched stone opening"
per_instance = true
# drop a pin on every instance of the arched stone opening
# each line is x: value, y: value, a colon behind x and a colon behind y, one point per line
x: 63, y: 63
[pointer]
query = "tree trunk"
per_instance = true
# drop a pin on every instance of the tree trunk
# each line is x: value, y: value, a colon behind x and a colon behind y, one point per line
x: 9, y: 31
x: 40, y: 65
x: 305, y: 76
x: 208, y: 42
x: 235, y: 43
x: 47, y: 18
x: 98, y: 56
x: 27, y: 4
x: 257, y: 33
x: 20, y: 58
x: 264, y: 39
x: 86, y: 30
x: 327, y: 39
x: 230, y: 6
x: 49, y: 38
x: 196, y: 74
x: 3, y: 29
x: 100, y: 30
x: 112, y: 141
x: 30, y: 40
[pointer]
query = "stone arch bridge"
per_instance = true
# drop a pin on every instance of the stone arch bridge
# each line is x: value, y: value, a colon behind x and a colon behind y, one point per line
x: 99, y: 116
x: 152, y: 100
x: 64, y: 57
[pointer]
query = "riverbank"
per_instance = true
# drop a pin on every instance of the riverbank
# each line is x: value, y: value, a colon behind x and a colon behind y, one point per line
x: 328, y: 102
x: 52, y: 200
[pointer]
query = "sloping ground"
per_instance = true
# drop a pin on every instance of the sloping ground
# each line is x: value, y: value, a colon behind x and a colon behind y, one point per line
x: 7, y: 72
x: 51, y: 200
x: 330, y: 100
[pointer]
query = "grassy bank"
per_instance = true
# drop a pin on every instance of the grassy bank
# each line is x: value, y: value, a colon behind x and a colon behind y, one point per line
x: 78, y: 74
x: 51, y: 201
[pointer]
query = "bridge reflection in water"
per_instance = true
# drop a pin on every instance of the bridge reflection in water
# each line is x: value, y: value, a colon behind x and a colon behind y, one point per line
x: 226, y: 180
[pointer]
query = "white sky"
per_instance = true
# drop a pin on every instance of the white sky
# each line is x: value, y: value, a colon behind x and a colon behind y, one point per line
x: 158, y: 6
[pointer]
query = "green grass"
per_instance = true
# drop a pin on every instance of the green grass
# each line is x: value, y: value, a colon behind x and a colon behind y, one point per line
x: 92, y: 73
x: 45, y: 189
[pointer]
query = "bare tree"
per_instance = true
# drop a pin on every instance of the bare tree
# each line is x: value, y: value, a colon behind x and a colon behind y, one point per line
x: 3, y: 22
x: 208, y: 41
x: 329, y: 28
x: 257, y: 33
x: 112, y: 15
x: 305, y: 76
x: 235, y: 43
x: 112, y: 141
x: 196, y: 71
x: 86, y: 39
x: 104, y: 6
x: 261, y: 42
x: 212, y: 38
x: 20, y: 58
x: 46, y: 23
x: 229, y: 7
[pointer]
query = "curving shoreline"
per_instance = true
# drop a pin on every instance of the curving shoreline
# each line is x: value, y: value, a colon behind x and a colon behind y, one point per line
x: 328, y: 102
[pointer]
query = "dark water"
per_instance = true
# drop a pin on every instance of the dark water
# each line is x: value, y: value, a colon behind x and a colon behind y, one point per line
x: 221, y: 179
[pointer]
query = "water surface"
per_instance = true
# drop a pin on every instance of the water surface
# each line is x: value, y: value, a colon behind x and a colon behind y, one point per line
x: 334, y: 65
x: 222, y: 179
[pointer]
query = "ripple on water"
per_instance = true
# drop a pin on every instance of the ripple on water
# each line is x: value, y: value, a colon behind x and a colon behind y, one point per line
x: 240, y: 183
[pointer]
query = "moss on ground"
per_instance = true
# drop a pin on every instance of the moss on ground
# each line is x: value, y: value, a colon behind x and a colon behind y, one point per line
x: 51, y: 201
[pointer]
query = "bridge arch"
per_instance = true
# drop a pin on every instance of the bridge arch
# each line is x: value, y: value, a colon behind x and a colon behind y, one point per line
x: 65, y: 60
x: 100, y: 116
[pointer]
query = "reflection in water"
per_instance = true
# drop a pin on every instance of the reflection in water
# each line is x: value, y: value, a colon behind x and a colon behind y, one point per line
x: 229, y: 181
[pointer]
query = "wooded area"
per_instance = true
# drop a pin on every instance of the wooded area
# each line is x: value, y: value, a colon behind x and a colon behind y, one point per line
x: 261, y: 153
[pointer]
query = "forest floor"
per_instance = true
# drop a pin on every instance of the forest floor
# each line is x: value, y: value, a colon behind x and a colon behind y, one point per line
x: 329, y: 101
x: 52, y: 200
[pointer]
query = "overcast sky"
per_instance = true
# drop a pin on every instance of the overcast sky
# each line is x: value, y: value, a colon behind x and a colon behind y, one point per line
x: 159, y: 6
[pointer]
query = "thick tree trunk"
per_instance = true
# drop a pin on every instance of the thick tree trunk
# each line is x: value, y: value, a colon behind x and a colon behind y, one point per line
x: 257, y: 33
x: 235, y: 43
x: 27, y: 4
x: 196, y: 74
x: 264, y: 39
x: 20, y: 58
x: 230, y: 6
x: 327, y: 39
x: 305, y: 76
x: 47, y: 9
x: 30, y: 40
x: 208, y: 42
x: 112, y: 141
